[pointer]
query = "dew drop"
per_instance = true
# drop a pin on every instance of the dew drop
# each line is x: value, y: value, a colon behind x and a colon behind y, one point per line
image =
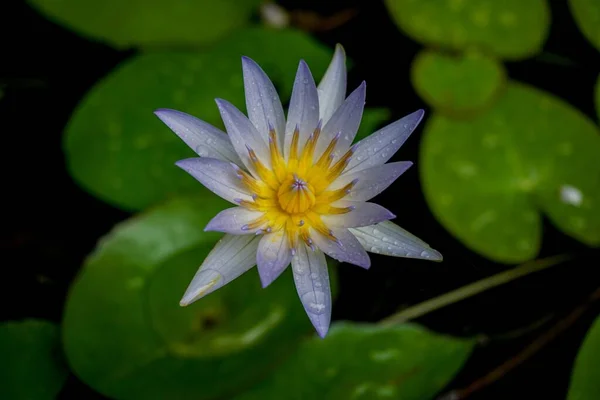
x: 202, y: 151
x: 314, y: 275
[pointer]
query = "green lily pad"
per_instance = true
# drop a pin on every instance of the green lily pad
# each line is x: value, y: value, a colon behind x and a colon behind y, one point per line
x: 149, y: 22
x: 487, y: 178
x: 120, y: 152
x: 510, y: 29
x: 367, y: 362
x: 126, y: 336
x: 372, y: 120
x: 587, y: 17
x: 584, y: 377
x: 457, y: 84
x: 33, y: 367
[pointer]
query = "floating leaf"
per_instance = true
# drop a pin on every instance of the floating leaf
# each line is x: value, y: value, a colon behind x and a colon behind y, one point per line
x: 486, y: 178
x: 584, y: 378
x: 587, y: 17
x: 149, y: 22
x: 31, y: 358
x: 127, y: 337
x: 372, y: 120
x: 119, y: 151
x: 510, y: 29
x: 367, y: 362
x: 457, y: 84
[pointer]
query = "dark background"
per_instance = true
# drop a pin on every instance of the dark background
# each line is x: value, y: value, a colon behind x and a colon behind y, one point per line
x: 49, y: 224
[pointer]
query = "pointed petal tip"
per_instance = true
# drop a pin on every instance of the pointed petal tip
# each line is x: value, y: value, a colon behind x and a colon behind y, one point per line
x: 339, y: 49
x: 322, y: 331
x: 436, y: 256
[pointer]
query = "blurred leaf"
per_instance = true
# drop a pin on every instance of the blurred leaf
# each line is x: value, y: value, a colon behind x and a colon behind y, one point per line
x: 457, y: 84
x: 127, y: 337
x: 31, y: 358
x: 372, y: 120
x: 510, y: 29
x: 584, y: 377
x: 149, y: 22
x: 120, y: 152
x: 598, y: 97
x: 486, y: 178
x: 367, y: 362
x: 587, y: 16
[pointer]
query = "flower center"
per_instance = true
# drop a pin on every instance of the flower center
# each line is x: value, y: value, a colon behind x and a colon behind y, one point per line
x: 295, y: 195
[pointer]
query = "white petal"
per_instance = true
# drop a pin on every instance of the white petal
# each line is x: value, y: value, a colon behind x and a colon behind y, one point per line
x: 272, y: 257
x: 332, y: 88
x: 312, y: 283
x: 262, y: 100
x: 232, y: 256
x: 218, y: 176
x: 348, y: 249
x: 364, y: 214
x: 379, y: 147
x: 371, y: 181
x: 304, y: 108
x: 389, y: 239
x: 243, y: 134
x: 234, y: 220
x: 344, y: 122
x: 203, y: 138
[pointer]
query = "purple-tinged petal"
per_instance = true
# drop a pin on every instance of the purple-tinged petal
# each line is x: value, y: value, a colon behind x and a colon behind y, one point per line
x: 379, y: 147
x: 304, y: 108
x: 345, y: 122
x: 234, y: 221
x: 371, y: 181
x: 218, y: 176
x: 262, y: 100
x: 332, y: 88
x: 272, y: 257
x: 389, y: 239
x: 202, y: 137
x: 312, y: 283
x: 362, y: 214
x: 346, y: 249
x: 231, y: 257
x: 243, y: 134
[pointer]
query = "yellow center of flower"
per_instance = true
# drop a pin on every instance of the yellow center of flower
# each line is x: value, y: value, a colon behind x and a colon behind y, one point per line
x: 293, y: 194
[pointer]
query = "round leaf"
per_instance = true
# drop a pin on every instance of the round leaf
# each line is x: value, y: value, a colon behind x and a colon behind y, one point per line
x: 510, y: 29
x: 584, y: 379
x: 457, y: 84
x: 149, y: 22
x: 120, y: 152
x: 367, y: 362
x: 486, y: 179
x: 32, y: 363
x: 587, y: 17
x: 127, y: 337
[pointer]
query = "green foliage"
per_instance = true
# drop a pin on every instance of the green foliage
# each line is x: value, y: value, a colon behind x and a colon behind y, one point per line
x: 126, y: 336
x: 587, y: 17
x: 511, y: 29
x: 120, y: 152
x: 486, y: 178
x: 372, y: 120
x: 367, y: 362
x: 32, y: 363
x: 597, y: 97
x: 149, y: 22
x: 457, y: 84
x: 584, y: 379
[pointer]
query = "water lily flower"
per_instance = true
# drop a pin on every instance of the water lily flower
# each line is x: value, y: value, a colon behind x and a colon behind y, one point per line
x: 301, y: 189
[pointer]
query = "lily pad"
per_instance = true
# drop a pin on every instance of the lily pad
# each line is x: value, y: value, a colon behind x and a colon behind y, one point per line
x: 372, y: 119
x: 368, y: 362
x: 149, y: 22
x: 126, y: 336
x: 511, y: 29
x: 584, y: 378
x: 587, y: 17
x: 458, y: 84
x: 487, y: 179
x: 120, y: 152
x: 33, y: 367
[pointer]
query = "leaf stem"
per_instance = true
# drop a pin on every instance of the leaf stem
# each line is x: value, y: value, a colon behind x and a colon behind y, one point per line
x: 472, y: 289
